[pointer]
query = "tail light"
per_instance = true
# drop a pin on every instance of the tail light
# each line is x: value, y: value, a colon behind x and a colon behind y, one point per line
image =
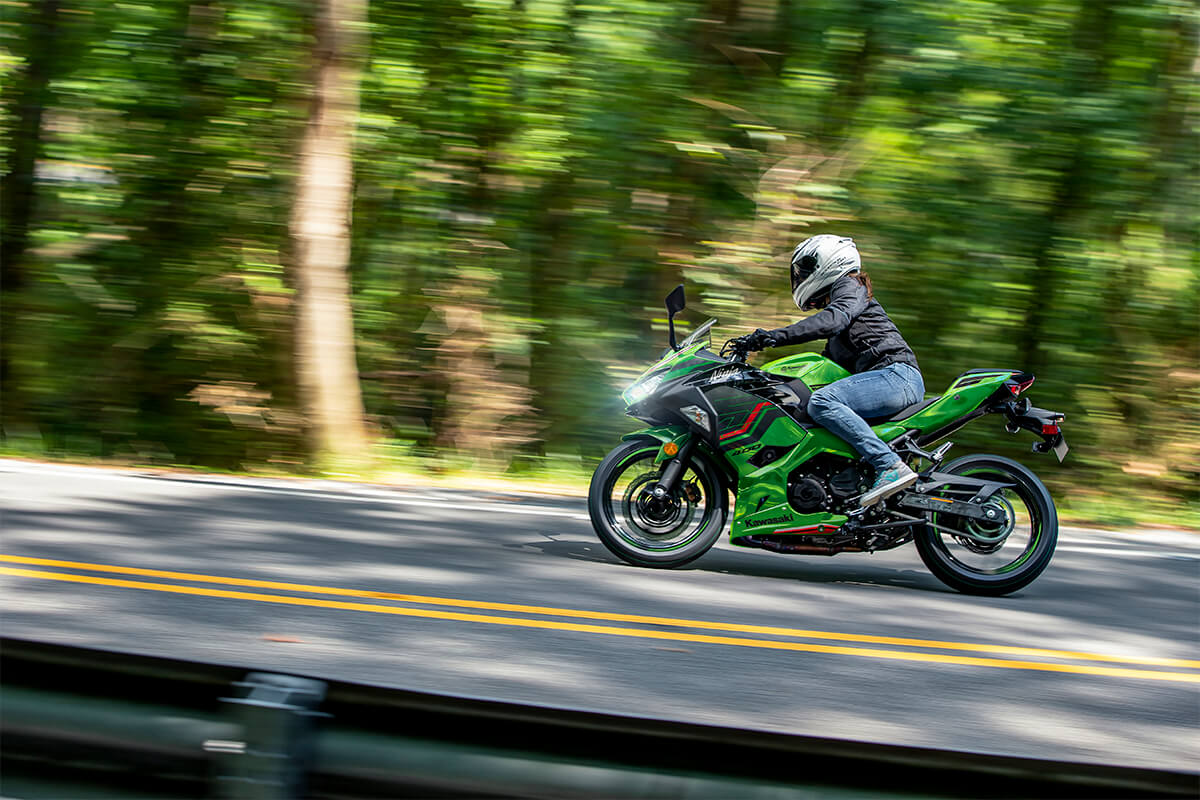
x: 1016, y: 388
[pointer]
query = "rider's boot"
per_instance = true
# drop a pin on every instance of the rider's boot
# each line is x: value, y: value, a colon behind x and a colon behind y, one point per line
x: 891, y: 480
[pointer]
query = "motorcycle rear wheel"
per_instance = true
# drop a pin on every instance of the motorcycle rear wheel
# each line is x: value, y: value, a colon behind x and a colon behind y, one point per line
x: 1021, y: 542
x: 646, y: 533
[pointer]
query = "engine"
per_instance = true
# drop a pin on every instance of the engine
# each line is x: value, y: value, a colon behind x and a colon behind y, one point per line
x: 807, y: 495
x: 825, y: 485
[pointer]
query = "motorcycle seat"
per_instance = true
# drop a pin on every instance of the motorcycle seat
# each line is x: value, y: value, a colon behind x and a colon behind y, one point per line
x: 793, y: 398
x: 904, y: 413
x: 798, y: 408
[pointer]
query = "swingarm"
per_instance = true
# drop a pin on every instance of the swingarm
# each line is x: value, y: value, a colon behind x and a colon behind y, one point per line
x: 969, y: 499
x: 975, y: 491
x: 943, y: 505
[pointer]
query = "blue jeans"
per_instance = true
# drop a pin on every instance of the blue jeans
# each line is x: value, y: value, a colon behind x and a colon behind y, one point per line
x: 841, y: 406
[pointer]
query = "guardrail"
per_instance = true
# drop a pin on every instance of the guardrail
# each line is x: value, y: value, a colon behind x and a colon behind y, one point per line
x: 75, y: 717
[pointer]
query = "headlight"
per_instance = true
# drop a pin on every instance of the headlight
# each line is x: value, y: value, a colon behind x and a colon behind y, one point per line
x: 643, y: 389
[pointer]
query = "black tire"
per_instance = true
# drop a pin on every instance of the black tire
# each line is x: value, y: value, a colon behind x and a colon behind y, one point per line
x: 1013, y: 561
x: 630, y: 531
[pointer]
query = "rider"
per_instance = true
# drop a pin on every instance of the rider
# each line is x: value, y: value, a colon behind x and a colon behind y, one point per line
x: 827, y: 274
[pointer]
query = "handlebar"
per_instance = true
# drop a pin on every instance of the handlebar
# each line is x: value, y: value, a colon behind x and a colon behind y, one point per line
x: 734, y: 351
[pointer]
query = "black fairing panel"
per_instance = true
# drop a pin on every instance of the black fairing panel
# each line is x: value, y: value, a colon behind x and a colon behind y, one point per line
x: 742, y: 417
x: 682, y: 394
x: 792, y: 397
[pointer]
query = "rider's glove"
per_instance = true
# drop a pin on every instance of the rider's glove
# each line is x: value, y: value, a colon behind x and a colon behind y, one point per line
x: 765, y: 338
x: 756, y: 341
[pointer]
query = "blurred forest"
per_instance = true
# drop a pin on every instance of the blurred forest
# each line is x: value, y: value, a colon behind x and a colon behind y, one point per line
x: 531, y: 177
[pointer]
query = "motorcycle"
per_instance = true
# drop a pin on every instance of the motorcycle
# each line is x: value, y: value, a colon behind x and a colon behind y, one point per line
x: 982, y: 524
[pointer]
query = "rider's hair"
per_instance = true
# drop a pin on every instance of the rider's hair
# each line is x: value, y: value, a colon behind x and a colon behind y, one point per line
x: 862, y: 277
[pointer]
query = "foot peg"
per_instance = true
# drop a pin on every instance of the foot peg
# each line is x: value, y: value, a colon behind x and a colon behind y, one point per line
x: 934, y: 457
x: 937, y: 455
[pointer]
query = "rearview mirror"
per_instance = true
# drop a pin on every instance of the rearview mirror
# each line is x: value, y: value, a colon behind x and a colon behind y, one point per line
x: 675, y: 304
x: 676, y: 301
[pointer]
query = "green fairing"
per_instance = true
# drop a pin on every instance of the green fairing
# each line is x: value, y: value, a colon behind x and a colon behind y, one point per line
x: 762, y: 505
x: 815, y: 370
x: 674, y: 364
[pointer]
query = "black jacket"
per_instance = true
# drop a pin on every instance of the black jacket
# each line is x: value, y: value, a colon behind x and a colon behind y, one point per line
x: 862, y: 337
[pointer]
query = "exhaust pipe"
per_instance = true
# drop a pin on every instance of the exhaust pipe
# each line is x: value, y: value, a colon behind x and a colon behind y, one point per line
x: 776, y: 546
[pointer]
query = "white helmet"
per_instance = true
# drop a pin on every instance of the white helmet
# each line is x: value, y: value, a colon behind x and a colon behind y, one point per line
x: 818, y: 262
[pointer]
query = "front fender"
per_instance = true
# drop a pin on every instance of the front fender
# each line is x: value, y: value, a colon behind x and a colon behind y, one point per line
x: 678, y: 434
x: 666, y: 434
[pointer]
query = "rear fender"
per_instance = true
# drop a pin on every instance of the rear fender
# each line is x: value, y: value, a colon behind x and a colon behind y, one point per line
x: 1021, y: 415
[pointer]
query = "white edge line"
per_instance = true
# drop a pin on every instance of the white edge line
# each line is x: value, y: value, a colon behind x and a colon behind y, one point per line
x: 362, y: 495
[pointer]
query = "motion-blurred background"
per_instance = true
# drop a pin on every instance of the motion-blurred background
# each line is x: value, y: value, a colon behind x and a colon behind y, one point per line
x: 512, y: 186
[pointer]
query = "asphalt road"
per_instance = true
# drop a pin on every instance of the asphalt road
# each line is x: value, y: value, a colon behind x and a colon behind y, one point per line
x: 512, y: 597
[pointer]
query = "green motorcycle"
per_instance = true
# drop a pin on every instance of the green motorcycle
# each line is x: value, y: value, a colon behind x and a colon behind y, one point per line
x: 982, y: 524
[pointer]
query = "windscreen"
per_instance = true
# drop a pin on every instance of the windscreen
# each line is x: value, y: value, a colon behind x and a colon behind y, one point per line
x: 698, y: 334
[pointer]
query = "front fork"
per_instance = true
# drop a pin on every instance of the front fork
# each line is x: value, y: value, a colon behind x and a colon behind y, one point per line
x: 673, y: 470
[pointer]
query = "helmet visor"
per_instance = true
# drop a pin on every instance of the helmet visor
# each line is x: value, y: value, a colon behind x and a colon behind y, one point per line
x: 802, y: 269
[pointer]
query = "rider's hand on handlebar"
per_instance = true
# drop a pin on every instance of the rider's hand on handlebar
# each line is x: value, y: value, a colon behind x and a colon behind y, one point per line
x: 748, y: 343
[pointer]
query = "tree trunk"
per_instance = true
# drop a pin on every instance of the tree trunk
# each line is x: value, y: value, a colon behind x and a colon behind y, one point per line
x: 549, y: 252
x: 327, y: 373
x: 30, y: 96
x: 1071, y: 195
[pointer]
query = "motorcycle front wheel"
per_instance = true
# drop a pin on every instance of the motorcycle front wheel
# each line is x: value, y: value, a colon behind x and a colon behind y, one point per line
x: 647, y: 532
x: 1002, y: 554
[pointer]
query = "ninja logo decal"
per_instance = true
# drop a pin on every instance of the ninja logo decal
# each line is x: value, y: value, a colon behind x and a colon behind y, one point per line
x: 723, y: 374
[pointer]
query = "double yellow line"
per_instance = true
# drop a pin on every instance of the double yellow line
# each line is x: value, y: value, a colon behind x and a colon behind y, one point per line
x: 663, y: 628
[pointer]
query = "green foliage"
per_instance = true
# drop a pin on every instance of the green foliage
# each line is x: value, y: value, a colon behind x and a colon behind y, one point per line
x: 534, y: 175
